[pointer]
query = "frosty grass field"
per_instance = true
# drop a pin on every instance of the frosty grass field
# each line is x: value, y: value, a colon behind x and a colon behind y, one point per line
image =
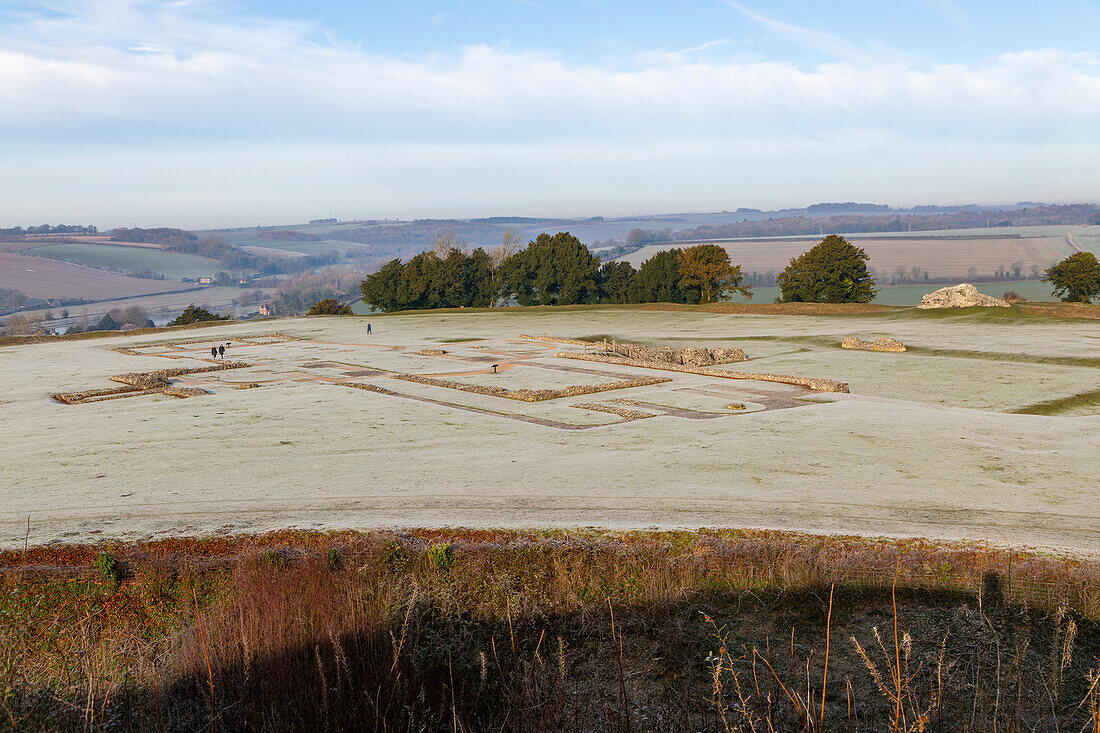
x: 924, y: 445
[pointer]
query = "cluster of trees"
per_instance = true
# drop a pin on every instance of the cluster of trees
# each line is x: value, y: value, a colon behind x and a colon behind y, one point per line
x: 298, y: 294
x: 551, y: 270
x: 112, y: 320
x: 166, y: 237
x: 25, y: 324
x: 12, y: 299
x: 903, y: 275
x: 1076, y: 279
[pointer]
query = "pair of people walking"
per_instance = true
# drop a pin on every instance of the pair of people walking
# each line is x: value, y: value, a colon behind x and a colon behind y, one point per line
x: 216, y: 351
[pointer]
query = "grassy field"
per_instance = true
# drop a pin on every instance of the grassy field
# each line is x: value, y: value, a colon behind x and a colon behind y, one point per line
x: 727, y: 630
x: 173, y: 265
x: 412, y: 454
x: 250, y: 238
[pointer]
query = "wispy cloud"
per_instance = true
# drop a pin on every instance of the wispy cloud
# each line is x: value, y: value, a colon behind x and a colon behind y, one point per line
x: 809, y: 37
x: 950, y: 11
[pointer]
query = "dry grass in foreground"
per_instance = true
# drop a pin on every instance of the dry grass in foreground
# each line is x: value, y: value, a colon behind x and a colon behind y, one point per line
x: 482, y: 630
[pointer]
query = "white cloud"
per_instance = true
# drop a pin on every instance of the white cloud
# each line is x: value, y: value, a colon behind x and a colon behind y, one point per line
x: 146, y: 63
x: 145, y: 79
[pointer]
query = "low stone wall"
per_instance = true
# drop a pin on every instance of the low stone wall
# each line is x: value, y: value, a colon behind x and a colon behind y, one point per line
x: 430, y: 352
x: 141, y: 383
x: 613, y: 410
x: 531, y: 395
x: 555, y: 340
x: 882, y: 343
x: 367, y: 387
x: 183, y: 392
x: 818, y: 385
x: 160, y: 377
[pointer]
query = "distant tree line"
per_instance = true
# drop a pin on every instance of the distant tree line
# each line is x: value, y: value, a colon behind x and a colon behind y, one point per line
x: 44, y: 229
x: 551, y: 270
x: 234, y: 258
x: 851, y: 223
x: 413, y: 236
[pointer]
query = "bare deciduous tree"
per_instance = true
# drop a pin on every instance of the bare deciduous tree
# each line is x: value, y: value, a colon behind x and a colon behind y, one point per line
x: 443, y: 243
x: 509, y: 245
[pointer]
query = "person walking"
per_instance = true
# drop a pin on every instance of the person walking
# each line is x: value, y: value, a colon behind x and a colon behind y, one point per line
x: 221, y: 351
x: 213, y: 352
x: 368, y: 329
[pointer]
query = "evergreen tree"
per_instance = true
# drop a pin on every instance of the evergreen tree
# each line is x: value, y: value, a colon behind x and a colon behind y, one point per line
x: 659, y: 281
x: 834, y: 271
x: 195, y: 313
x: 552, y: 270
x: 615, y: 279
x: 1076, y: 279
x: 329, y: 307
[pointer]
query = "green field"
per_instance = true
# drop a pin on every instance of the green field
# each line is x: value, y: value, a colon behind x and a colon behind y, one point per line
x: 173, y: 265
x: 1035, y: 290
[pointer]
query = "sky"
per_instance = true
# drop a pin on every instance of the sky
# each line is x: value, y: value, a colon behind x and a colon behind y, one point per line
x: 211, y: 113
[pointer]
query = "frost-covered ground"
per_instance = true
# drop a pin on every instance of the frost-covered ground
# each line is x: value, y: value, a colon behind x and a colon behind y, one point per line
x: 920, y: 447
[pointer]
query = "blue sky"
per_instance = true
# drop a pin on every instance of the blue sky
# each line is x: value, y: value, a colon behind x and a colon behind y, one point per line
x: 210, y: 113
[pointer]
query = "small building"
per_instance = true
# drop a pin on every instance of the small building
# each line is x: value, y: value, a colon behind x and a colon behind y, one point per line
x: 206, y: 281
x: 264, y: 311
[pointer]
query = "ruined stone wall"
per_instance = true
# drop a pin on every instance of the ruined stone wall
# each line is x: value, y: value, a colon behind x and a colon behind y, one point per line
x: 532, y: 395
x: 882, y: 343
x: 818, y: 385
x: 687, y: 356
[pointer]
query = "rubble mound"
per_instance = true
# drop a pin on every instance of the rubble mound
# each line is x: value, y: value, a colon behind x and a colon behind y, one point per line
x: 963, y: 295
x: 430, y: 352
x: 691, y: 356
x: 882, y: 343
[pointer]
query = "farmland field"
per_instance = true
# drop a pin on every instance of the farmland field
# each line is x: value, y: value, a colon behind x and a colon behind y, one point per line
x: 946, y: 257
x: 1088, y: 238
x: 162, y: 307
x: 39, y: 277
x: 925, y: 443
x: 173, y: 265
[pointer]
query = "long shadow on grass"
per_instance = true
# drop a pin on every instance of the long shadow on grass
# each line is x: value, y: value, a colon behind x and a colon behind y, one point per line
x: 304, y: 653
